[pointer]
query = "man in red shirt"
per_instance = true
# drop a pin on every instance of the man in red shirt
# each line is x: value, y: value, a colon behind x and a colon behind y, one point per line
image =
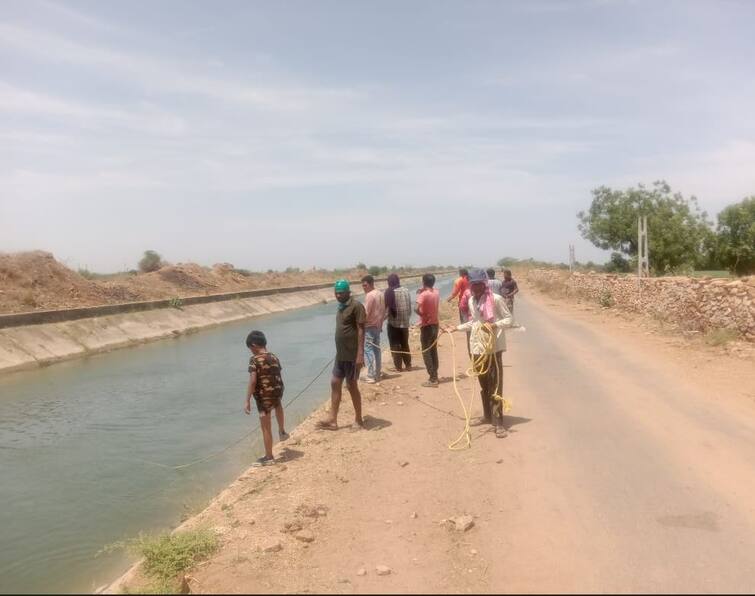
x: 461, y: 285
x: 428, y: 304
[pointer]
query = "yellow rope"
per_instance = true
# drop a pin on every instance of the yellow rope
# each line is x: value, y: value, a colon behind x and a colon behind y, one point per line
x: 479, y: 366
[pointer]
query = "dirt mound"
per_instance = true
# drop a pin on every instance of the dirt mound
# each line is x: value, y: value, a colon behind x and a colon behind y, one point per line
x: 35, y: 280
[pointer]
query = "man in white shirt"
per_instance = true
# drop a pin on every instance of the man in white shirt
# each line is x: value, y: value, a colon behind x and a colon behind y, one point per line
x: 489, y: 316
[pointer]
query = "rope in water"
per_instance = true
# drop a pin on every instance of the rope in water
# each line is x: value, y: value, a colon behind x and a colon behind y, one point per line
x: 237, y: 441
x: 479, y: 366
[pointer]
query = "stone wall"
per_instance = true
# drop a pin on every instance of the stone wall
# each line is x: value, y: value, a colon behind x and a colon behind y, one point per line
x: 693, y: 304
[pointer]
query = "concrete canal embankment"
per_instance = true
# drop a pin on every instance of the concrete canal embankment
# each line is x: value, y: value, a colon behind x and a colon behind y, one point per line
x: 29, y: 340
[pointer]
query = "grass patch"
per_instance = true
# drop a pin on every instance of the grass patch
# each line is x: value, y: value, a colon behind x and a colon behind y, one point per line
x: 723, y: 274
x: 167, y: 556
x: 721, y: 336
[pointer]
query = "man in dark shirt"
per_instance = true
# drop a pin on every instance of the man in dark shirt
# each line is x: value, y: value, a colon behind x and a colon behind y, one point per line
x: 350, y: 320
x: 509, y: 289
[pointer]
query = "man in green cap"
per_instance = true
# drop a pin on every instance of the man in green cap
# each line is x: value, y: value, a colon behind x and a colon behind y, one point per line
x: 350, y: 321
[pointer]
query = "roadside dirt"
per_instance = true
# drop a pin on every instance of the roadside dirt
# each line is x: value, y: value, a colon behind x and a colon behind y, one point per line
x: 628, y: 464
x: 36, y: 281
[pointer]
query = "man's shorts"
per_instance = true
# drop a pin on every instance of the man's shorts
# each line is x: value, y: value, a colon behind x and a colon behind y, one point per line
x: 345, y: 369
x: 267, y: 404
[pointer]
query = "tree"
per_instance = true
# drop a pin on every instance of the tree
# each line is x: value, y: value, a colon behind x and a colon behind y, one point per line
x: 151, y: 261
x: 735, y: 242
x: 677, y: 229
x: 617, y: 264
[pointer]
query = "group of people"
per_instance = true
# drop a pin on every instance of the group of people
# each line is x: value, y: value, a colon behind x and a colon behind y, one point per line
x: 485, y: 309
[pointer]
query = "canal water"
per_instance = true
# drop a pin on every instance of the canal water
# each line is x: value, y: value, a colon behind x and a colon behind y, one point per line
x: 80, y: 440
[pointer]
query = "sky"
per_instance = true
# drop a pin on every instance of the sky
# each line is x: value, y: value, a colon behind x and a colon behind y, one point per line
x: 271, y: 134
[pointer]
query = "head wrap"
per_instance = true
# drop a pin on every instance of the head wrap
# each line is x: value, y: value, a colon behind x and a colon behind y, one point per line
x: 486, y: 302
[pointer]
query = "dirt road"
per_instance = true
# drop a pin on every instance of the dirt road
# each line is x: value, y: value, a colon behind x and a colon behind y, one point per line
x: 630, y: 467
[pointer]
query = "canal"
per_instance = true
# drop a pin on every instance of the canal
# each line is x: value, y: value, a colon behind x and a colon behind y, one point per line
x: 83, y: 444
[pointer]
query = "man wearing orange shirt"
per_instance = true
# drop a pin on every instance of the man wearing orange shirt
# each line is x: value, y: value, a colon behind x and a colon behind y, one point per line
x: 461, y: 285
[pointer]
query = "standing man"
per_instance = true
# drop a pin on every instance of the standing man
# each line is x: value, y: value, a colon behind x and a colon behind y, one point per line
x: 374, y: 305
x: 350, y: 320
x: 461, y: 285
x: 509, y: 289
x: 489, y: 317
x: 428, y: 303
x: 495, y: 284
x: 398, y: 304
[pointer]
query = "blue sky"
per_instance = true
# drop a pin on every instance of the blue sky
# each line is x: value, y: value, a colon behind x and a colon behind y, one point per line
x: 313, y: 133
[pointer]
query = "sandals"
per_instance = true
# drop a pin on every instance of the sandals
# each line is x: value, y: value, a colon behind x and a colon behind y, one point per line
x: 325, y: 425
x: 264, y: 461
x: 501, y: 432
x: 480, y: 421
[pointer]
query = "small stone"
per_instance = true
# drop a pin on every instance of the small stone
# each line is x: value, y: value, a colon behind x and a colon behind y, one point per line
x: 184, y: 588
x: 321, y: 512
x: 290, y: 527
x: 382, y: 570
x: 403, y: 463
x: 399, y: 403
x: 271, y: 546
x: 463, y: 523
x: 305, y: 536
x: 361, y: 572
x: 382, y: 403
x: 343, y: 580
x: 389, y: 521
x: 473, y: 552
x: 500, y: 461
x: 413, y: 515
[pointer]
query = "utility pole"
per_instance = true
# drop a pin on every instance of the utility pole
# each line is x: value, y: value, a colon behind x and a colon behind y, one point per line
x: 643, y: 261
x: 643, y: 258
x: 572, y: 261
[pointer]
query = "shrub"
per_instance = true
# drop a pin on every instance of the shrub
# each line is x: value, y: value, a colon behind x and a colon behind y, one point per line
x: 721, y: 336
x: 606, y: 299
x: 151, y: 261
x: 168, y: 555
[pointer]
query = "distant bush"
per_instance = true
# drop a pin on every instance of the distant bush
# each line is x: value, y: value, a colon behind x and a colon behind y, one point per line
x: 377, y: 270
x: 606, y: 299
x: 86, y: 274
x: 721, y: 336
x: 361, y: 266
x: 293, y: 270
x: 151, y: 261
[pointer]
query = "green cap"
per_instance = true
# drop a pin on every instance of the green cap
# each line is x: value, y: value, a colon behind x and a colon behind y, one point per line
x: 342, y: 285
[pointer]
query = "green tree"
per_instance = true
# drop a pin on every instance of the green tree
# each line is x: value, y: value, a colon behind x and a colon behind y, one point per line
x: 617, y: 264
x: 151, y: 261
x: 677, y: 229
x: 735, y: 241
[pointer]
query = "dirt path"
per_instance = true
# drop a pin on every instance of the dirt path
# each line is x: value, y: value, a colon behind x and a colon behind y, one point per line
x: 629, y: 467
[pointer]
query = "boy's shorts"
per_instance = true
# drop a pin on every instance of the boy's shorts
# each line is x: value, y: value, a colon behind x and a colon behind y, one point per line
x: 345, y: 369
x: 267, y: 404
